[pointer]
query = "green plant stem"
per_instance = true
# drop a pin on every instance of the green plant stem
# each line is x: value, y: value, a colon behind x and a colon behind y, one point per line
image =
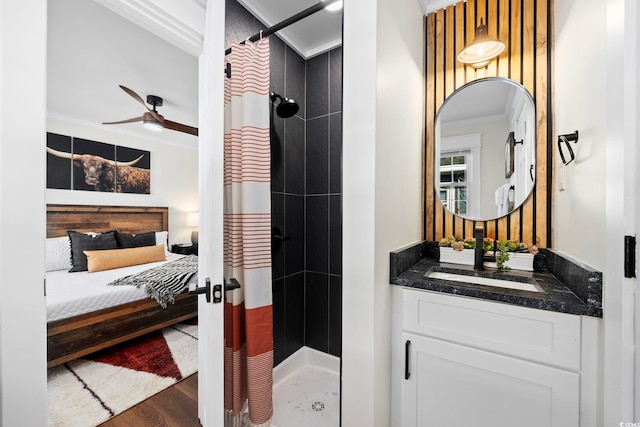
x: 502, y: 258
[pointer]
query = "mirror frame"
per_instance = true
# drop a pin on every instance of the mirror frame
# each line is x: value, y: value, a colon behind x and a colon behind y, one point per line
x: 509, y: 145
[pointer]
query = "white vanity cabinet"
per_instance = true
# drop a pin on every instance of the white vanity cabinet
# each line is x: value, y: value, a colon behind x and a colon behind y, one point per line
x: 466, y: 361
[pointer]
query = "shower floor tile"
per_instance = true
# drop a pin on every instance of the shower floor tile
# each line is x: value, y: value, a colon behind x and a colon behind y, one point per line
x: 307, y: 392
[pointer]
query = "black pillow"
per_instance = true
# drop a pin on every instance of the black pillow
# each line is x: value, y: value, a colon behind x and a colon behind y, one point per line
x: 135, y: 240
x: 84, y: 242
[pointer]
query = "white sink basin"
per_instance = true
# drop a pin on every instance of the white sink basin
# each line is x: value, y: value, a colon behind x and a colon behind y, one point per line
x: 484, y: 281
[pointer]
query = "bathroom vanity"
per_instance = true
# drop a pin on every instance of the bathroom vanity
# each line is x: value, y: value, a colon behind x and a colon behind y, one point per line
x: 487, y: 355
x: 482, y: 347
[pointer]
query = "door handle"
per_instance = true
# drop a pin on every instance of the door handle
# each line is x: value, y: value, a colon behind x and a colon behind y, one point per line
x: 206, y: 290
x: 217, y: 289
x: 233, y: 284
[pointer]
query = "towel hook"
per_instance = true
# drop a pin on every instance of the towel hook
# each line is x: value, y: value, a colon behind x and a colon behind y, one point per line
x: 563, y: 141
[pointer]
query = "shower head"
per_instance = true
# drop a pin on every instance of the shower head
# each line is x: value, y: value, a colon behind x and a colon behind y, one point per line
x: 287, y: 106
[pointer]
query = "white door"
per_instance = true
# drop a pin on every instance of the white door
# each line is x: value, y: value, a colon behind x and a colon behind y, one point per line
x: 211, y: 144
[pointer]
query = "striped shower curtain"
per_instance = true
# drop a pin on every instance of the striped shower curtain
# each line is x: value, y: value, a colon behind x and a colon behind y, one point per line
x: 248, y: 330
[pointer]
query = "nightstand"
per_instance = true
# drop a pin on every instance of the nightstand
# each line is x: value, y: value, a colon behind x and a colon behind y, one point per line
x: 184, y: 249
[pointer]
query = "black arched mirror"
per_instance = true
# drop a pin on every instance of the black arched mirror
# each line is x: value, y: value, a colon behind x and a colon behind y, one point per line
x: 485, y: 149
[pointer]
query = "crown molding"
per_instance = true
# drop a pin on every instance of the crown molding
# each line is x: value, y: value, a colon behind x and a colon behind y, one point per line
x: 181, y: 23
x: 429, y: 6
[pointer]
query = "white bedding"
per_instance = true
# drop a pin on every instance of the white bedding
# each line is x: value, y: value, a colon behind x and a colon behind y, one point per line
x: 70, y: 294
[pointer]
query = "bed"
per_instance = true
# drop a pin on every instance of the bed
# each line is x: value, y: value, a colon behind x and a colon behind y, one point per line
x: 94, y: 326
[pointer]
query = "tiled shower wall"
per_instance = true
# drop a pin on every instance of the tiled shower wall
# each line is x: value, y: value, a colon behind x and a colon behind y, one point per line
x: 323, y: 203
x: 305, y: 193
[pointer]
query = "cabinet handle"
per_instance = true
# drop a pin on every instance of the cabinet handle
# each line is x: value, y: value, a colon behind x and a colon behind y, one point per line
x: 407, y: 348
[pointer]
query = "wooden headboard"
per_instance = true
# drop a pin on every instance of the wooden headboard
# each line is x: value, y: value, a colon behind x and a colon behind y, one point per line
x: 126, y: 219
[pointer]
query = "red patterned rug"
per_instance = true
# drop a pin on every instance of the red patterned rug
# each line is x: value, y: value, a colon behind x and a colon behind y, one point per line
x: 89, y: 391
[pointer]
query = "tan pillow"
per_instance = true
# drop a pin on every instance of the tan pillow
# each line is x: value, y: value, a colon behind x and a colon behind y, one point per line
x: 108, y: 259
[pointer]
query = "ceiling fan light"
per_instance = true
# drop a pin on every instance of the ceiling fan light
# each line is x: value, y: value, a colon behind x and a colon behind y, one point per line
x: 482, y: 50
x: 153, y: 125
x: 334, y: 7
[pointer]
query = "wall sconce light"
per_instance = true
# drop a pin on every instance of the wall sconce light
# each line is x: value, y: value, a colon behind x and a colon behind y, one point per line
x: 192, y: 221
x: 482, y: 50
x: 565, y: 148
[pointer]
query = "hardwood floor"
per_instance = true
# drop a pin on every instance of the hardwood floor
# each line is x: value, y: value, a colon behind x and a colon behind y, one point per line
x: 176, y: 406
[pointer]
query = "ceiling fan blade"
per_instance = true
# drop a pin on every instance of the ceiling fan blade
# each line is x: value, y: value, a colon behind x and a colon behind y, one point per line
x: 135, y: 119
x: 168, y: 124
x: 134, y: 96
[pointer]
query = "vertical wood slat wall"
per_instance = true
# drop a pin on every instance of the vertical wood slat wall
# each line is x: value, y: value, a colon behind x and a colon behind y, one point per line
x: 524, y: 27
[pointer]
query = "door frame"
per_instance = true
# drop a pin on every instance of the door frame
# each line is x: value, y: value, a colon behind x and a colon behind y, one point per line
x: 23, y: 351
x: 621, y: 366
x: 211, y: 199
x: 23, y: 28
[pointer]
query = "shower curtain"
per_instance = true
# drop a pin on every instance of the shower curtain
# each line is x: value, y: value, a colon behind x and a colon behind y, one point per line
x: 248, y: 329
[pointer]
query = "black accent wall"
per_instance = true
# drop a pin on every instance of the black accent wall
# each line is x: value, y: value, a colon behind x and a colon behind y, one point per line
x: 306, y: 199
x: 323, y: 203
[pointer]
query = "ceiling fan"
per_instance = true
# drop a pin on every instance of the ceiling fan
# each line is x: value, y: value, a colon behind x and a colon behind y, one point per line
x: 151, y: 119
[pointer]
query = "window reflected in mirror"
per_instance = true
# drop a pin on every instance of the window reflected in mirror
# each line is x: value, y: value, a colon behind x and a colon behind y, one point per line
x: 453, y: 181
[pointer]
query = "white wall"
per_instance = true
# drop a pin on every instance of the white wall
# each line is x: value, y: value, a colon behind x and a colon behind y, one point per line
x: 382, y: 133
x: 596, y: 93
x: 174, y: 176
x: 580, y: 86
x: 23, y: 373
x: 579, y: 189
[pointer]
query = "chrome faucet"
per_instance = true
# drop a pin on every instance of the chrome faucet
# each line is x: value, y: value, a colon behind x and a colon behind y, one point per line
x: 478, y: 263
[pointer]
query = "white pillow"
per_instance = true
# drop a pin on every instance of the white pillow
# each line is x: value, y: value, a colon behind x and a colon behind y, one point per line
x: 161, y: 239
x: 58, y: 253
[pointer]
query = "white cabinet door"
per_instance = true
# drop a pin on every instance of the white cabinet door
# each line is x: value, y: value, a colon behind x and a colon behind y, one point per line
x: 451, y: 384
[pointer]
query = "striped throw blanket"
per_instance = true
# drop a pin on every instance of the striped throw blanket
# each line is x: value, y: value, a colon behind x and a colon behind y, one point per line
x: 164, y: 282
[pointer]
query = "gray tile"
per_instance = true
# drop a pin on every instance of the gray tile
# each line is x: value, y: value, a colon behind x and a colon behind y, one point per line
x: 335, y: 153
x: 277, y: 245
x: 317, y: 234
x: 335, y: 79
x: 318, y: 86
x: 294, y: 229
x: 295, y: 79
x: 317, y: 311
x: 317, y: 159
x: 294, y: 315
x: 277, y: 152
x: 279, y: 310
x: 239, y: 23
x: 294, y: 154
x: 277, y: 64
x: 335, y: 234
x: 335, y: 315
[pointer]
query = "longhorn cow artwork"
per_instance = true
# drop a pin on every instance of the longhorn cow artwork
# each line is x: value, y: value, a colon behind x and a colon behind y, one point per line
x: 106, y: 175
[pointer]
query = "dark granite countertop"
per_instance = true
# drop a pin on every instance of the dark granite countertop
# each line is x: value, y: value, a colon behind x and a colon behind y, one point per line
x: 565, y: 285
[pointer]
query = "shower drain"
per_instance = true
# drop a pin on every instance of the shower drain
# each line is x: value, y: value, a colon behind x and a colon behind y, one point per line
x: 317, y: 406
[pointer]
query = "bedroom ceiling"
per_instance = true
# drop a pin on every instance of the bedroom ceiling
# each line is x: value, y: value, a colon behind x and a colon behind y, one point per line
x: 150, y: 47
x: 91, y: 50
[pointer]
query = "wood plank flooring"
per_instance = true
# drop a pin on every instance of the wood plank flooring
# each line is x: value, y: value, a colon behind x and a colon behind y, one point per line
x: 176, y: 406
